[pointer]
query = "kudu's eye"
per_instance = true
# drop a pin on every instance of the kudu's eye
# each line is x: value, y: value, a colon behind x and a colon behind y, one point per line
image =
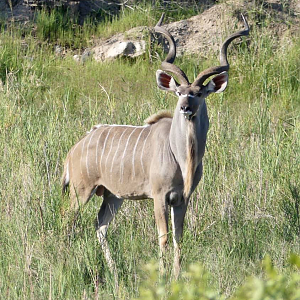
x: 178, y: 93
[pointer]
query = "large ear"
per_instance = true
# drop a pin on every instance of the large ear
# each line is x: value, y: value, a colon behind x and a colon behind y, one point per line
x: 218, y: 84
x: 165, y: 81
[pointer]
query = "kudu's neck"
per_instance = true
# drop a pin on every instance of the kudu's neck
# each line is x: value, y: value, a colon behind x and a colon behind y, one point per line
x: 187, y: 141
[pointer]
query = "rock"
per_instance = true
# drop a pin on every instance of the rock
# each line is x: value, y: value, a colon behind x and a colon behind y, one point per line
x: 129, y: 44
x: 58, y: 50
x: 204, y: 33
x: 77, y: 57
x: 87, y: 53
x: 119, y: 48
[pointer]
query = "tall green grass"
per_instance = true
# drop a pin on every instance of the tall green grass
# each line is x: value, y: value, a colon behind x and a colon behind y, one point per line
x: 60, y: 27
x: 246, y: 206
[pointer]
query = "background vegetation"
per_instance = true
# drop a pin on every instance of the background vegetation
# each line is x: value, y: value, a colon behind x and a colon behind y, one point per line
x: 246, y: 206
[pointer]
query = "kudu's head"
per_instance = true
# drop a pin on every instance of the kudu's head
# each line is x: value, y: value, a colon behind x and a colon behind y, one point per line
x: 192, y: 95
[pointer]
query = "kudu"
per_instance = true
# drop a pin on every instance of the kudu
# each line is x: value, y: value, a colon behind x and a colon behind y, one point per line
x: 161, y: 160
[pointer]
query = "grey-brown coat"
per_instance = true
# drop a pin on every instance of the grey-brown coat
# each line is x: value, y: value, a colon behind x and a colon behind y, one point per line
x: 161, y: 160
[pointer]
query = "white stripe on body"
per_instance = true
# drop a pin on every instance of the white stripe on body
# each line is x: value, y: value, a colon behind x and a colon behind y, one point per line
x: 108, y: 154
x: 87, y: 153
x: 82, y: 149
x: 72, y: 151
x: 122, y: 159
x: 134, y: 151
x: 104, y: 146
x: 97, y: 146
x: 112, y: 163
x: 142, y: 153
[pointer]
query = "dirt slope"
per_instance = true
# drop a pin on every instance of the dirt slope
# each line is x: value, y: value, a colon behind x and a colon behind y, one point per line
x: 204, y: 33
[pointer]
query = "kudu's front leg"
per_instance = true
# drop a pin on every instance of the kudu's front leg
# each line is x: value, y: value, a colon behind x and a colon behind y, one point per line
x: 161, y: 218
x: 177, y: 215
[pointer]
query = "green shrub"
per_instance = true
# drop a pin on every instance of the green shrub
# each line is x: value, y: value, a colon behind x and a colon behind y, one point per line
x: 195, y: 284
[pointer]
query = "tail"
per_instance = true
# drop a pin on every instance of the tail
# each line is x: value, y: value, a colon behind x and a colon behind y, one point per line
x: 65, y: 177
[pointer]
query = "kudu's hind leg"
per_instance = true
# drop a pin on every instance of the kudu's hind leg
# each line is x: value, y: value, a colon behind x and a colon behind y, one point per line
x: 161, y: 218
x: 177, y: 215
x: 108, y: 210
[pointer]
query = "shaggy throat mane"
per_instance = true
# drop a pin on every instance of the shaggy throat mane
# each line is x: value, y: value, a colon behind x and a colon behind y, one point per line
x: 191, y: 160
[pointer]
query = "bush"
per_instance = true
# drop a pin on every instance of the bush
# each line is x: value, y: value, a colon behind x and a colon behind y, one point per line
x: 195, y: 284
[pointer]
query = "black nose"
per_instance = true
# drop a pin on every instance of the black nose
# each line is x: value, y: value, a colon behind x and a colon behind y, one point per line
x: 185, y: 108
